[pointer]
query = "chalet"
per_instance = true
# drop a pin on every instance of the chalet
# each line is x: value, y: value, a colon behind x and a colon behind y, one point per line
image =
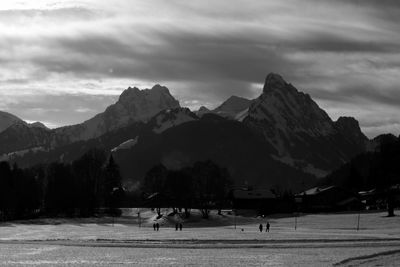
x: 378, y: 199
x: 329, y: 198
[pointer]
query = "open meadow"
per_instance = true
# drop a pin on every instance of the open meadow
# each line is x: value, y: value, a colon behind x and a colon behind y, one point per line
x: 319, y: 240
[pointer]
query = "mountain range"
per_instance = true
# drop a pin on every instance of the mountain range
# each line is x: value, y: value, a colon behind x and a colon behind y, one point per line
x: 281, y: 138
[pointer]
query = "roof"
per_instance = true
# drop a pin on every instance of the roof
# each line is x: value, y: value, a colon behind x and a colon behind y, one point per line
x: 315, y: 190
x: 368, y: 193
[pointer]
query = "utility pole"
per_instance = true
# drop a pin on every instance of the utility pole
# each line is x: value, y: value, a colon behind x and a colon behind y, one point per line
x: 234, y: 218
x: 358, y: 221
x: 139, y: 219
x: 295, y: 221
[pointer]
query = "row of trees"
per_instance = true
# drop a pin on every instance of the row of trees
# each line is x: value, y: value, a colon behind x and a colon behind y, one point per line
x: 78, y: 188
x: 93, y: 182
x: 203, y: 186
x: 378, y: 170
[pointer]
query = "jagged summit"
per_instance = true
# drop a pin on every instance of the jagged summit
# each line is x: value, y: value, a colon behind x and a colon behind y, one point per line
x: 348, y: 124
x: 349, y: 127
x: 128, y: 93
x: 274, y: 81
x: 301, y: 133
x: 156, y: 93
x: 203, y: 109
x: 133, y: 105
x: 161, y: 88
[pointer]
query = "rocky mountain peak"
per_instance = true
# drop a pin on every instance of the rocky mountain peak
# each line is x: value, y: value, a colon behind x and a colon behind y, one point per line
x: 301, y: 133
x: 274, y: 81
x: 232, y: 106
x: 348, y: 124
x: 156, y: 96
x: 129, y: 93
x: 349, y: 127
x: 203, y: 109
x: 160, y: 88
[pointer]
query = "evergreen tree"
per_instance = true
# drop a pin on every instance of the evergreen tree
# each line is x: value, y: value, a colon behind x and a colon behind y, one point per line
x: 113, y: 191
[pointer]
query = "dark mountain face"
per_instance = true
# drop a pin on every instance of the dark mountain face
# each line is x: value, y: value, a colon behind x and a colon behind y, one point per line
x: 350, y: 128
x: 21, y: 135
x: 300, y: 132
x: 7, y: 119
x: 376, y: 144
x: 137, y: 148
x: 202, y: 111
x: 377, y: 170
x: 284, y: 137
x: 226, y: 142
x: 170, y: 118
x: 232, y: 107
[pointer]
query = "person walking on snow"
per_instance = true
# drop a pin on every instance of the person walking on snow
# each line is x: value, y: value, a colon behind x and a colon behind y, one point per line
x: 261, y: 227
x: 267, y: 227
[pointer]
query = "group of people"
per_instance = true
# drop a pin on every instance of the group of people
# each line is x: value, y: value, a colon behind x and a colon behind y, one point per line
x: 156, y: 226
x: 266, y: 227
x: 178, y: 226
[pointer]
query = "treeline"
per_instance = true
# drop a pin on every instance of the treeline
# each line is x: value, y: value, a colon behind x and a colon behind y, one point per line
x: 92, y: 184
x: 378, y: 171
x: 203, y: 186
x: 372, y: 170
x: 79, y: 188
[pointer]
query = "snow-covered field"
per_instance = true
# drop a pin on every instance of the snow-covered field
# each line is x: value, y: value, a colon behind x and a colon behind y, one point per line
x: 319, y: 240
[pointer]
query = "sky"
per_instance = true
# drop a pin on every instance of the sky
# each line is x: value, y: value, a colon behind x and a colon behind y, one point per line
x: 61, y: 62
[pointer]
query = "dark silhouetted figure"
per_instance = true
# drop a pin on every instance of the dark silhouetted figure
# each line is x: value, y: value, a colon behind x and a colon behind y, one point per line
x: 267, y: 227
x: 260, y: 227
x: 180, y: 227
x: 176, y: 227
x: 157, y: 226
x: 154, y: 226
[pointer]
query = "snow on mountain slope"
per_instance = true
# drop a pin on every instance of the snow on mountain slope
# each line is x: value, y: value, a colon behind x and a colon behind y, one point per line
x: 127, y: 144
x: 20, y: 153
x: 7, y: 119
x: 133, y: 105
x: 301, y: 133
x: 242, y: 114
x: 21, y: 135
x: 172, y: 117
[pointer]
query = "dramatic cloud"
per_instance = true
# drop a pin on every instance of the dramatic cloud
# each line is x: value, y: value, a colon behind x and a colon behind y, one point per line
x: 63, y: 61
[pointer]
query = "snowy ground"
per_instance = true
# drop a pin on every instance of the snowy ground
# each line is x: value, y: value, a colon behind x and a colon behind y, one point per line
x: 319, y: 240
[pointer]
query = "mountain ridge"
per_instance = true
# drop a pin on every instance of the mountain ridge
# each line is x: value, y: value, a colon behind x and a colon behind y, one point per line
x: 286, y: 123
x: 301, y: 133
